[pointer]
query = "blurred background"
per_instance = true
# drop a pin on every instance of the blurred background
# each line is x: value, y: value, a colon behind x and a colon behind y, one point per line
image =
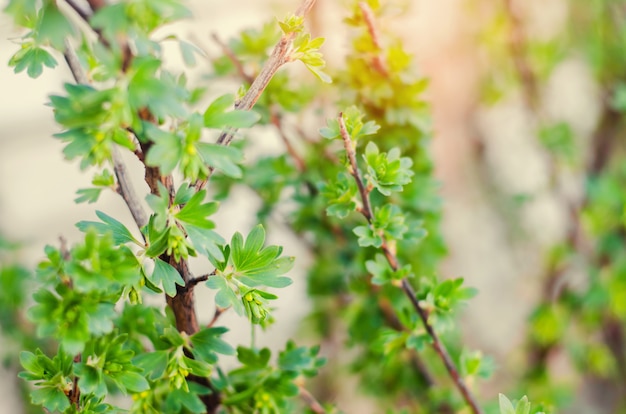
x: 523, y: 104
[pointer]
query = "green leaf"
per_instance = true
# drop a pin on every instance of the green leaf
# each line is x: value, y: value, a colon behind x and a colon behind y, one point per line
x: 151, y: 88
x: 189, y: 52
x: 205, y: 241
x: 159, y: 244
x: 54, y: 399
x: 253, y: 358
x: 217, y: 117
x: 207, y: 342
x: 166, y: 151
x: 380, y: 270
x: 387, y: 171
x: 179, y: 398
x: 33, y: 59
x: 257, y: 265
x: 121, y: 234
x: 133, y: 381
x: 506, y: 407
x: 340, y: 196
x: 24, y: 12
x: 224, y: 159
x: 53, y: 27
x: 292, y: 24
x: 184, y: 193
x: 196, y: 213
x: 225, y: 296
x: 167, y: 275
x: 89, y: 195
x: 153, y: 363
x: 368, y: 237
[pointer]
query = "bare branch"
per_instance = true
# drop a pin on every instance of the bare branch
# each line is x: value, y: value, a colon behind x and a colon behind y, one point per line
x: 216, y: 315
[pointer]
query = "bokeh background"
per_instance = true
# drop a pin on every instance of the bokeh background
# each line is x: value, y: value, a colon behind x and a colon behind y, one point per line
x: 501, y: 213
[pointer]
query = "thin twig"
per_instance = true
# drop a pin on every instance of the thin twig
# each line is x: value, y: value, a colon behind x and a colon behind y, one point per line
x: 124, y: 188
x: 311, y: 401
x: 379, y: 61
x: 276, y: 120
x: 74, y: 395
x: 199, y: 279
x: 366, y: 210
x: 234, y: 60
x: 216, y: 315
x: 79, y: 10
x: 423, y: 313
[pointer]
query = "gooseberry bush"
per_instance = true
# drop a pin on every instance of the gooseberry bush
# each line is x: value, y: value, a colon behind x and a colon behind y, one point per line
x: 357, y: 188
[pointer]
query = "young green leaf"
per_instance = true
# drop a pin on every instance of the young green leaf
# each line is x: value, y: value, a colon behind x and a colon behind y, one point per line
x: 195, y: 212
x: 33, y: 59
x: 225, y: 296
x: 256, y: 265
x: 224, y: 159
x: 216, y: 115
x: 208, y: 342
x: 121, y: 234
x: 166, y: 274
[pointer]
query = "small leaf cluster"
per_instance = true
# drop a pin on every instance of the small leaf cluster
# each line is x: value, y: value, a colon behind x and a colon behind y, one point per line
x: 522, y: 406
x: 79, y: 293
x: 246, y: 267
x: 259, y: 387
x: 175, y: 358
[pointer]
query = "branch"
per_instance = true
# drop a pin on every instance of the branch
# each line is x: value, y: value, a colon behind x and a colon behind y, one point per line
x: 79, y: 10
x: 366, y: 210
x: 423, y: 313
x: 275, y: 118
x: 234, y: 60
x: 278, y: 58
x: 311, y: 401
x: 124, y: 188
x: 379, y: 60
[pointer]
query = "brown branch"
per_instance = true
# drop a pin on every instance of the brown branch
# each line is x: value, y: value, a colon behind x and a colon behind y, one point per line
x: 379, y: 60
x: 234, y: 60
x: 218, y: 312
x: 311, y: 401
x: 74, y: 395
x: 276, y: 120
x: 423, y: 313
x: 182, y: 304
